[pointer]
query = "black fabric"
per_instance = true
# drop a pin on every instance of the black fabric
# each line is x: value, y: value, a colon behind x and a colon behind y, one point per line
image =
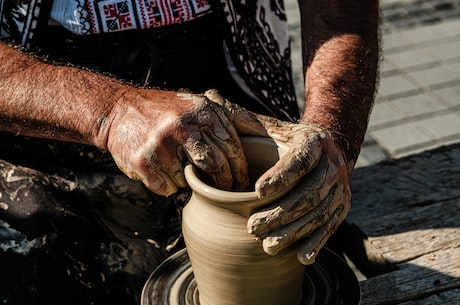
x: 258, y: 40
x: 187, y: 56
x: 74, y: 229
x: 22, y: 21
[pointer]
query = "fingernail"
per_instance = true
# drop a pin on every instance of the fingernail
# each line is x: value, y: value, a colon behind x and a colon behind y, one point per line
x: 307, y: 258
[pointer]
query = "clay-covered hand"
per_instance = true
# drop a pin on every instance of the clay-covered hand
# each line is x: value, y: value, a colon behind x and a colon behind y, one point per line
x: 152, y: 135
x: 310, y: 213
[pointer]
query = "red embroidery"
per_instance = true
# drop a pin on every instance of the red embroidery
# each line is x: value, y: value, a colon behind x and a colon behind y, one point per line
x: 201, y: 3
x: 118, y: 15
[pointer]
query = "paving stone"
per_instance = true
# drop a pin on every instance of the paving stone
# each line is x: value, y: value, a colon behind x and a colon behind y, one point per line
x: 416, y: 105
x: 447, y: 50
x: 451, y: 26
x: 435, y: 32
x: 386, y: 66
x: 368, y: 140
x: 445, y: 126
x: 397, y: 40
x: 362, y: 162
x: 438, y: 75
x: 421, y: 37
x: 407, y: 151
x: 415, y: 57
x: 383, y: 114
x: 395, y: 84
x: 399, y: 139
x: 293, y: 14
x: 370, y: 155
x: 406, y: 14
x: 450, y: 94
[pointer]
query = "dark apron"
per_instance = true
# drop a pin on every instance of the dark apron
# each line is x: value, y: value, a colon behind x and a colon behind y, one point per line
x: 73, y: 228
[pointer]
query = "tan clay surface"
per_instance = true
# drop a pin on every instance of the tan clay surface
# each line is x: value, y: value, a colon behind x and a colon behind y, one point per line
x: 229, y: 264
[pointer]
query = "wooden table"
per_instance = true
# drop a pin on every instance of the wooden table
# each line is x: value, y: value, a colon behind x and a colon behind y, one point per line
x: 407, y: 213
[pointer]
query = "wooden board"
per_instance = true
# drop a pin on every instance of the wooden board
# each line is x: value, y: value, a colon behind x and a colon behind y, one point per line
x: 418, y: 278
x: 409, y: 245
x: 393, y: 186
x: 437, y: 215
x: 411, y: 233
x: 450, y: 297
x: 409, y: 213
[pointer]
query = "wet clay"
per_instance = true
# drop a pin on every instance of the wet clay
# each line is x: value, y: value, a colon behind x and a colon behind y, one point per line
x: 229, y: 264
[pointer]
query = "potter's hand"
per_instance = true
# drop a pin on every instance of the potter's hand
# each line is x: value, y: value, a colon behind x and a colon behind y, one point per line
x: 310, y: 213
x: 313, y: 210
x: 154, y: 133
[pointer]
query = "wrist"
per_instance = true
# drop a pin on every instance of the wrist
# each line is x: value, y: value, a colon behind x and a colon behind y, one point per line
x: 349, y: 144
x: 107, y: 116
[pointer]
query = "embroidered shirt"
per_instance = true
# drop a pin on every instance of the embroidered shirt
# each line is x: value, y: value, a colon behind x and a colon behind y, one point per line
x: 104, y: 16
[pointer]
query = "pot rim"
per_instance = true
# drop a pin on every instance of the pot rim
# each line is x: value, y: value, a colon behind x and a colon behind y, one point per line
x: 198, y: 186
x: 235, y: 197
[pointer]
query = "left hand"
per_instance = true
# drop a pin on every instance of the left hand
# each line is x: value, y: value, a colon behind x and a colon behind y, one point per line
x: 310, y: 213
x: 318, y: 204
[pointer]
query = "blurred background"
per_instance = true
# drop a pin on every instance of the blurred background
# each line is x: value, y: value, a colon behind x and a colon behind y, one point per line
x: 418, y: 101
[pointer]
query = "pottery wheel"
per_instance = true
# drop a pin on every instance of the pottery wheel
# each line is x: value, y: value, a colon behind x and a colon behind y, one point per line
x: 330, y: 281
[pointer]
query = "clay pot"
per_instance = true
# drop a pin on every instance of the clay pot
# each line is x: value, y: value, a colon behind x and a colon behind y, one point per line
x: 229, y: 264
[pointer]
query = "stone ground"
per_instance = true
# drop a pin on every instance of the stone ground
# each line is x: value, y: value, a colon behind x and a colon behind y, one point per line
x: 418, y: 102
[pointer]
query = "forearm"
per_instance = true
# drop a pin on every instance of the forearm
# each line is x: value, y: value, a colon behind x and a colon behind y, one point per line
x: 341, y: 54
x: 58, y: 102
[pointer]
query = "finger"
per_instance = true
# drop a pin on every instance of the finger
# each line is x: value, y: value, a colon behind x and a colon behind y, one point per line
x: 206, y: 127
x: 222, y: 134
x: 225, y: 136
x: 245, y: 121
x: 177, y: 170
x: 209, y: 159
x: 157, y: 180
x: 151, y: 174
x: 292, y: 165
x: 164, y: 164
x: 310, y: 248
x: 161, y: 183
x: 235, y: 159
x: 302, y: 227
x: 305, y: 196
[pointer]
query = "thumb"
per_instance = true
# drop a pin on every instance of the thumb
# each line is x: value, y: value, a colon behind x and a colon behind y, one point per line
x: 246, y: 122
x: 294, y: 164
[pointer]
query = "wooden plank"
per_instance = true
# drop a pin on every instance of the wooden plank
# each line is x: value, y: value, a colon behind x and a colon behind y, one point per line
x: 398, y: 185
x: 397, y: 237
x: 450, y: 297
x: 445, y: 214
x: 409, y: 234
x: 409, y: 245
x: 427, y: 275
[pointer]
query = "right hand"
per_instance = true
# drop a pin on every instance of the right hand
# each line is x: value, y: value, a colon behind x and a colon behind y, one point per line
x: 313, y: 210
x: 153, y: 134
